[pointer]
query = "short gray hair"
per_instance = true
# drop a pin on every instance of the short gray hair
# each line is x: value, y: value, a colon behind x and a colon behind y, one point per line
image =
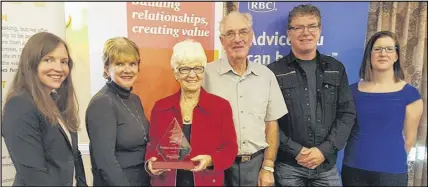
x: 246, y: 16
x: 186, y: 52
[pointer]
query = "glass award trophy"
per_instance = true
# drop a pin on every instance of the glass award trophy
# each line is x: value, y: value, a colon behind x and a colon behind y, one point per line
x: 173, y: 147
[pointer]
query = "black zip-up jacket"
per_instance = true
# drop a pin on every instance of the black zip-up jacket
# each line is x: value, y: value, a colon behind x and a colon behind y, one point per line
x: 335, y: 109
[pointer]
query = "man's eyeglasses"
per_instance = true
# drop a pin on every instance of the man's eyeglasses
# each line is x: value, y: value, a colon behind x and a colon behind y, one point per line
x: 301, y: 28
x: 389, y: 49
x: 187, y: 70
x: 242, y: 33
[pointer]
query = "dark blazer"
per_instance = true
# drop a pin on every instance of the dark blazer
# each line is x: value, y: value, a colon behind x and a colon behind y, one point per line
x: 41, y: 152
x: 212, y: 133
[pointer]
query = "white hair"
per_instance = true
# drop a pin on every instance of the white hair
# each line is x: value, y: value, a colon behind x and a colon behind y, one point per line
x: 186, y: 52
x: 246, y: 16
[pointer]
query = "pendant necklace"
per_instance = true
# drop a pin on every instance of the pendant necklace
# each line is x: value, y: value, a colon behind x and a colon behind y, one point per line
x: 136, y: 119
x: 187, y: 118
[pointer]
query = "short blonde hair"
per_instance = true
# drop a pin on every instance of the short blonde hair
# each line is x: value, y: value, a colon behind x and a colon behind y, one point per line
x: 118, y: 49
x: 246, y: 17
x: 187, y: 51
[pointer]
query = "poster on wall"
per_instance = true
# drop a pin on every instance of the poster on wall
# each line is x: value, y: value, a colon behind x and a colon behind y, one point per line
x: 155, y: 27
x: 343, y: 33
x: 17, y: 28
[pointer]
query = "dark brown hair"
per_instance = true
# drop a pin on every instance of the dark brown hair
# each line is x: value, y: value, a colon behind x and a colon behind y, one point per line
x: 304, y: 10
x: 26, y: 79
x: 366, y: 65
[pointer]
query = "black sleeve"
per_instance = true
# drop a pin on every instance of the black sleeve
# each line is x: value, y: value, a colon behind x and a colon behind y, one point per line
x: 287, y: 145
x: 101, y: 125
x: 23, y: 137
x: 80, y: 170
x: 345, y: 118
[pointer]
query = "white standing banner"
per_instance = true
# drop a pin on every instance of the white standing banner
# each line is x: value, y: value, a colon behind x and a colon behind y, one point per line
x: 21, y: 20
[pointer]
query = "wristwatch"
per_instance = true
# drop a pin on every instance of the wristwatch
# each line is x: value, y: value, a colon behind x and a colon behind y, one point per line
x: 268, y: 168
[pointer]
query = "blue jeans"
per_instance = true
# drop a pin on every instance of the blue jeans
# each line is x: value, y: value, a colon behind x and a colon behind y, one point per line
x: 287, y: 175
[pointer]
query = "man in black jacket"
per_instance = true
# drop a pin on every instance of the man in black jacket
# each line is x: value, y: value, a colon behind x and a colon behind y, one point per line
x: 321, y: 107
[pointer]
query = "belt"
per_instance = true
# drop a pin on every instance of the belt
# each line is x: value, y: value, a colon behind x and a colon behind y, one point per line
x: 246, y: 158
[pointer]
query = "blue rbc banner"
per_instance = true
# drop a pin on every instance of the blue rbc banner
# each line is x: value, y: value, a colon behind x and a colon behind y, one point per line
x: 343, y: 33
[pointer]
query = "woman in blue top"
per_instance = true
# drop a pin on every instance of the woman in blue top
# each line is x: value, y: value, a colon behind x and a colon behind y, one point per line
x: 388, y: 114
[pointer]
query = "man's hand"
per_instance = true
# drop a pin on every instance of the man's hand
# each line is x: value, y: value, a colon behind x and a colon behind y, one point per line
x: 313, y: 159
x: 265, y: 178
x: 304, y: 152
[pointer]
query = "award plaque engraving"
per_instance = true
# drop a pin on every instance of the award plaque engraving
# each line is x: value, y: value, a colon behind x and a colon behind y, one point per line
x: 173, y: 147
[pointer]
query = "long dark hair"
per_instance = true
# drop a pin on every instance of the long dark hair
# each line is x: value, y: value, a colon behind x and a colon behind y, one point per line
x: 26, y: 79
x: 366, y: 69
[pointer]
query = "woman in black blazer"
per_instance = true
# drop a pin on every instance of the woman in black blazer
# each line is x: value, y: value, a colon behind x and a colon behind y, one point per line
x: 115, y: 120
x: 40, y: 119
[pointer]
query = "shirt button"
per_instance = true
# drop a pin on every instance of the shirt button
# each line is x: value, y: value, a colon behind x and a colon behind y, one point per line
x: 242, y: 111
x: 213, y: 180
x: 243, y: 142
x: 307, y: 104
x: 306, y: 88
x: 240, y: 96
x: 309, y: 119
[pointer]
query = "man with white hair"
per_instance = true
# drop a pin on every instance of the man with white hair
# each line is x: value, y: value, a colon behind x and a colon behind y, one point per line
x: 256, y: 100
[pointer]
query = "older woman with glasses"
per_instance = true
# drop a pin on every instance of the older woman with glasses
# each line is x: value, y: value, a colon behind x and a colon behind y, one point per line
x: 205, y: 119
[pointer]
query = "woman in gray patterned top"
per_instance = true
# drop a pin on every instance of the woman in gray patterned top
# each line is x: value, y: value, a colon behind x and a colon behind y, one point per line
x: 115, y: 120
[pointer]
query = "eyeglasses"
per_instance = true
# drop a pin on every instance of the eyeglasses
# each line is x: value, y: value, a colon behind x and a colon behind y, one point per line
x: 187, y: 70
x: 388, y: 49
x: 301, y: 28
x: 242, y: 33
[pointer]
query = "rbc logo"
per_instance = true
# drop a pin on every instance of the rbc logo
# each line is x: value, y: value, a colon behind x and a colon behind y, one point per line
x: 261, y: 6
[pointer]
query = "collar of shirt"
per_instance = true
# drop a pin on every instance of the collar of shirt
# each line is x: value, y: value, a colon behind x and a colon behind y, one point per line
x: 122, y: 92
x: 225, y: 67
x: 174, y: 101
x: 319, y: 59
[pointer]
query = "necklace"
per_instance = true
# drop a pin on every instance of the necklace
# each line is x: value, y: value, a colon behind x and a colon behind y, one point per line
x: 187, y: 119
x: 136, y: 119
